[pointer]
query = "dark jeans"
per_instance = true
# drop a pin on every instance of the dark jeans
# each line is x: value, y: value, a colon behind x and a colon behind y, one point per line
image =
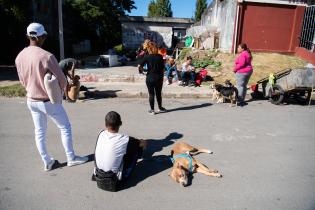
x: 188, y: 76
x: 130, y: 162
x: 155, y: 89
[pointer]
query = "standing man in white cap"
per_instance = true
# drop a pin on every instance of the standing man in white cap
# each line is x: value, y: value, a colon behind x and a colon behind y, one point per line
x: 32, y: 63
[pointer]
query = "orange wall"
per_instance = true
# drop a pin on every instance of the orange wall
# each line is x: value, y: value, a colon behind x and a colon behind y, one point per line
x: 270, y: 27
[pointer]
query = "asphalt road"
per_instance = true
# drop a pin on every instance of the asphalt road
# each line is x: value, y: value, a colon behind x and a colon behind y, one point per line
x: 266, y: 154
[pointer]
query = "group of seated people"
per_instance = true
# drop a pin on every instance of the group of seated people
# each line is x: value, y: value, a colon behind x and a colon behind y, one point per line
x: 187, y: 75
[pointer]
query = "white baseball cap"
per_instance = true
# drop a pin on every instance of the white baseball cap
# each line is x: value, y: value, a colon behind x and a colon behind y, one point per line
x: 35, y: 29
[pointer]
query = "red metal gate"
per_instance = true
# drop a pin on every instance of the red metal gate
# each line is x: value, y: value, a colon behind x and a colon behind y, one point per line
x: 270, y: 27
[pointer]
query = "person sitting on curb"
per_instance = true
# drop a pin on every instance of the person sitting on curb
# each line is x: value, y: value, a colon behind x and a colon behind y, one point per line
x: 171, y: 70
x: 68, y: 66
x: 188, y: 73
x: 116, y: 154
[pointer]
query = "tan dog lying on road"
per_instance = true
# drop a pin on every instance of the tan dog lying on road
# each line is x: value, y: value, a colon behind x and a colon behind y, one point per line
x: 184, y: 163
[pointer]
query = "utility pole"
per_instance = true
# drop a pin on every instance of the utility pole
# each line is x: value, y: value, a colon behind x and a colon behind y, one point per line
x: 61, y: 43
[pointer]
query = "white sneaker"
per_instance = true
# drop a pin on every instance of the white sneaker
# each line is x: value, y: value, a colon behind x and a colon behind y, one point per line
x: 77, y: 161
x: 49, y: 166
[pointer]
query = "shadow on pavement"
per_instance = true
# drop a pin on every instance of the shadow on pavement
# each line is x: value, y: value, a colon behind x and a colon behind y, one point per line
x: 61, y: 165
x: 185, y: 108
x: 94, y: 95
x: 146, y: 168
x: 151, y: 165
x: 157, y: 145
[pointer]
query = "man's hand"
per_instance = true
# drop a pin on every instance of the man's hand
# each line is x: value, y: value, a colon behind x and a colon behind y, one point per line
x: 143, y: 143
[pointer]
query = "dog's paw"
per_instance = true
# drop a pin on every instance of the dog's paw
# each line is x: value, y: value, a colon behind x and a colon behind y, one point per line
x: 219, y: 175
x: 210, y: 152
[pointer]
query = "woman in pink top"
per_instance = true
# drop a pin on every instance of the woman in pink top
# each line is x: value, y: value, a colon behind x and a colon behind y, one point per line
x: 243, y: 70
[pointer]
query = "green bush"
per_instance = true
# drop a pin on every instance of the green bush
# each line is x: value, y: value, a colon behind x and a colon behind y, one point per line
x: 184, y: 53
x: 16, y: 90
x: 119, y: 49
x: 207, y: 62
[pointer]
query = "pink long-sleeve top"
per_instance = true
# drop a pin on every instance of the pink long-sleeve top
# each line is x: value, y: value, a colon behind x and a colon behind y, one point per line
x: 32, y: 63
x: 243, y: 63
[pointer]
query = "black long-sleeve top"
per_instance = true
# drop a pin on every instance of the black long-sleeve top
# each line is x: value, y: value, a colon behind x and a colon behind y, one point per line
x: 155, y: 65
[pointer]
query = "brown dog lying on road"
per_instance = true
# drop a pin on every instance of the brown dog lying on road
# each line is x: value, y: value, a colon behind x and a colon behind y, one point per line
x: 184, y: 163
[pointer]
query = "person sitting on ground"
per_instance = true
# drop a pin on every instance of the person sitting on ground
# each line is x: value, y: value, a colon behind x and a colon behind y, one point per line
x: 68, y: 66
x: 188, y: 72
x: 171, y: 70
x: 115, y: 153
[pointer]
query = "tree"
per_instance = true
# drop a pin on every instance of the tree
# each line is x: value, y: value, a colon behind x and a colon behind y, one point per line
x: 14, y: 17
x: 98, y: 19
x: 151, y: 9
x: 160, y: 8
x: 201, y: 5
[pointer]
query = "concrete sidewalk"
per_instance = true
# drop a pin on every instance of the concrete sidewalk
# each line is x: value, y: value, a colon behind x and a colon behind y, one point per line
x: 139, y: 90
x: 126, y: 82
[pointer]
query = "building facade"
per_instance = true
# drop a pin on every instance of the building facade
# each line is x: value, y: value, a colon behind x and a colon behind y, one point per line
x: 135, y: 29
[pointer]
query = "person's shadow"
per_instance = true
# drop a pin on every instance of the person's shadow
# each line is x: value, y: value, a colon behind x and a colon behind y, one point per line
x: 186, y: 108
x: 157, y: 145
x: 151, y: 165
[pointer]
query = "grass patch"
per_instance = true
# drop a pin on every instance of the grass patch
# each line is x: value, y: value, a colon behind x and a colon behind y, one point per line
x: 16, y: 90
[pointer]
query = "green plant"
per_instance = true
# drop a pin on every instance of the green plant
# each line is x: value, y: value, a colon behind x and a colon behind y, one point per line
x: 16, y: 90
x: 184, y: 53
x: 213, y: 53
x: 119, y: 49
x: 207, y: 62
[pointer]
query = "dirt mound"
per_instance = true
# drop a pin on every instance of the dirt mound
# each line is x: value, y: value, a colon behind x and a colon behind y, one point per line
x: 263, y: 63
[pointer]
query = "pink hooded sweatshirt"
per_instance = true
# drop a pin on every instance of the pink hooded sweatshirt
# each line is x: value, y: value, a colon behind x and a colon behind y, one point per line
x: 243, y: 63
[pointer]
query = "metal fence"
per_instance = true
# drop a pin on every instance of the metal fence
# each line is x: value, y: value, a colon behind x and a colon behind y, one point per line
x: 307, y: 39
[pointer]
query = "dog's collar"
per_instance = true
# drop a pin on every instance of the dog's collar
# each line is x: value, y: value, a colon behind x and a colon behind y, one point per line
x: 187, y: 156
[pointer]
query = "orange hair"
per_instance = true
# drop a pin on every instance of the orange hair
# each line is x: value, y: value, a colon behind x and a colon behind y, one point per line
x: 145, y: 44
x: 152, y: 48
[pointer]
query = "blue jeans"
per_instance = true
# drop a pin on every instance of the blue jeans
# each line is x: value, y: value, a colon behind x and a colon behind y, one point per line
x: 169, y: 73
x: 241, y: 84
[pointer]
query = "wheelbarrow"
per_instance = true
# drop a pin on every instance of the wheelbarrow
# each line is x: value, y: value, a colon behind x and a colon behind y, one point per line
x: 288, y: 83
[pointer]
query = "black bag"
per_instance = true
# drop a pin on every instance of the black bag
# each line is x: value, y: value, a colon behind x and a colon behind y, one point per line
x: 107, y: 181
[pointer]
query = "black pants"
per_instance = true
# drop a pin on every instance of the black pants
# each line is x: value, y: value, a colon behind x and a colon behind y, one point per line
x: 155, y: 88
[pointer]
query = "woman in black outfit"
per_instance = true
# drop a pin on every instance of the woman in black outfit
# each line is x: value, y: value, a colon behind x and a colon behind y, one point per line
x: 155, y: 76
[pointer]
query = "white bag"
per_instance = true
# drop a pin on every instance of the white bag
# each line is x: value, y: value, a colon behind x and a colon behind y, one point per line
x: 52, y: 88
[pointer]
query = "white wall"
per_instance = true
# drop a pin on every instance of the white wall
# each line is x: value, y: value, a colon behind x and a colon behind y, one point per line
x: 218, y: 17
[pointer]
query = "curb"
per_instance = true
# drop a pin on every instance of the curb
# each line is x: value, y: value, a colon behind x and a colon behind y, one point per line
x: 137, y: 94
